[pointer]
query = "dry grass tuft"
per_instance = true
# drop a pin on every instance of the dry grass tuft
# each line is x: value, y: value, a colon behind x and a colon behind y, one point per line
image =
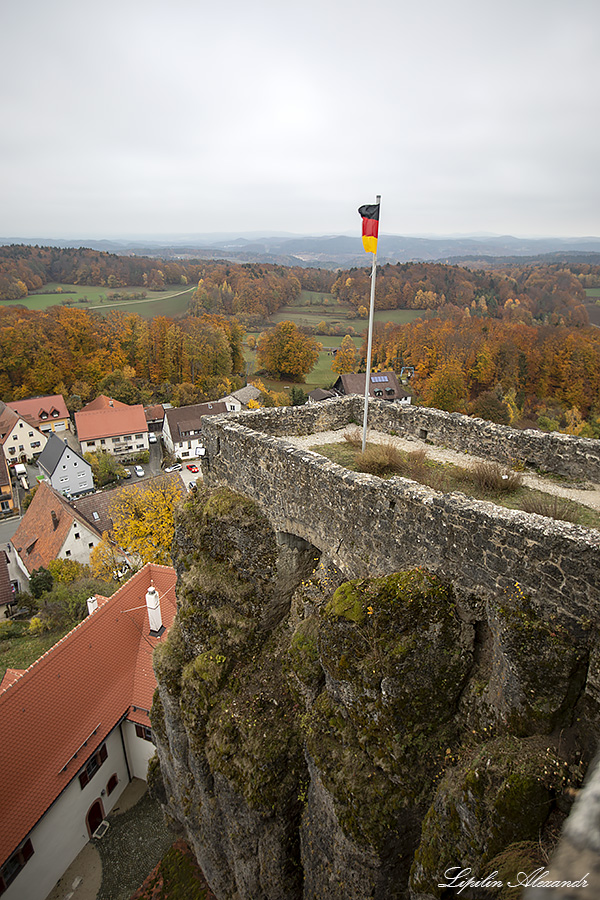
x: 492, y: 478
x: 382, y: 460
x: 552, y: 507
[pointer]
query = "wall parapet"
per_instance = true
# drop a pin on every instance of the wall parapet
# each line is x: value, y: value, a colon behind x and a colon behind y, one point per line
x: 370, y: 526
x: 560, y: 454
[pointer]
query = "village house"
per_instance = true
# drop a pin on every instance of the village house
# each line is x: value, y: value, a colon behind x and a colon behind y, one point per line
x: 75, y: 732
x: 182, y: 427
x: 382, y: 386
x: 67, y: 471
x: 7, y: 504
x: 48, y: 414
x: 51, y: 529
x: 111, y: 426
x: 240, y: 399
x: 7, y: 593
x: 21, y: 441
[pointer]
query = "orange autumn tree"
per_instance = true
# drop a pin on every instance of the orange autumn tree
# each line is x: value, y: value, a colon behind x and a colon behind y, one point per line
x: 286, y: 352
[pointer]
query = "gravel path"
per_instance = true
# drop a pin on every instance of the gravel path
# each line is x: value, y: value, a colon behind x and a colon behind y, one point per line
x: 587, y: 495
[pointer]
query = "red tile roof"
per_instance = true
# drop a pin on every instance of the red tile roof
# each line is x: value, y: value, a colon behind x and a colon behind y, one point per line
x: 41, y: 535
x: 103, y: 418
x: 9, y: 677
x: 41, y: 409
x: 76, y: 693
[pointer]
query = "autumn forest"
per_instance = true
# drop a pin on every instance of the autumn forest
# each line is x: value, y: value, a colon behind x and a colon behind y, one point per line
x: 513, y: 344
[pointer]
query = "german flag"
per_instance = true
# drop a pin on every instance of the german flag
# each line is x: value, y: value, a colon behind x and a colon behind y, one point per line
x: 370, y: 226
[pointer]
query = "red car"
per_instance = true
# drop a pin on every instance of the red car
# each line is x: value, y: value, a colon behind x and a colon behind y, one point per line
x: 193, y: 468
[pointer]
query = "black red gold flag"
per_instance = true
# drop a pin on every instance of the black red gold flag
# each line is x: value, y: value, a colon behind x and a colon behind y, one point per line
x: 370, y: 226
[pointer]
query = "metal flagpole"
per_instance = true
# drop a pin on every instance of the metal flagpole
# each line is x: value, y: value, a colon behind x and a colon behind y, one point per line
x: 370, y: 343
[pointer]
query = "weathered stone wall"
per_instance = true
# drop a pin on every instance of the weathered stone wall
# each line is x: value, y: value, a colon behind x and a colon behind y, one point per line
x: 325, y: 733
x: 372, y: 527
x: 562, y: 454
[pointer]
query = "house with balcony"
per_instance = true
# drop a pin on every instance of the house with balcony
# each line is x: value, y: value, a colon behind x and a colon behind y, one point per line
x: 20, y: 439
x: 75, y: 731
x: 182, y: 428
x: 107, y: 425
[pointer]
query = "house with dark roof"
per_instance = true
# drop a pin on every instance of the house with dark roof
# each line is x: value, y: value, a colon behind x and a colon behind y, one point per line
x: 240, y: 399
x: 382, y: 386
x: 95, y: 508
x: 320, y: 394
x: 20, y: 439
x: 66, y: 470
x: 183, y: 425
x: 48, y: 414
x: 75, y: 731
x: 109, y: 425
x: 52, y: 529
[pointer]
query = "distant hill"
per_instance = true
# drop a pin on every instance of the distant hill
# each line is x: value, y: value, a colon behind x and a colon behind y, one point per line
x: 335, y: 251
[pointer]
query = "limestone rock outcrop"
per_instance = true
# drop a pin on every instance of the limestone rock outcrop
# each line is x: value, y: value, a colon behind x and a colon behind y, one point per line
x: 327, y: 736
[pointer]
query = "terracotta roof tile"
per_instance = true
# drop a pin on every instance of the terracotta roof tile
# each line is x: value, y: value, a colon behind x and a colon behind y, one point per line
x: 104, y: 418
x: 41, y: 409
x: 41, y: 535
x: 60, y: 701
x: 9, y: 677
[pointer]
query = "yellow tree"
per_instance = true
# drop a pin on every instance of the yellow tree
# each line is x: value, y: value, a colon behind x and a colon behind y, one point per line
x: 345, y: 358
x: 287, y: 352
x: 143, y: 520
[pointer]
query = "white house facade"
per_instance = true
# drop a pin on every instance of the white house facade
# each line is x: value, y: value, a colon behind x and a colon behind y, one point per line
x: 76, y: 731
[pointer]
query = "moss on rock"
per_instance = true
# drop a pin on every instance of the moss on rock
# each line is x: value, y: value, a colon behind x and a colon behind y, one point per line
x: 500, y: 794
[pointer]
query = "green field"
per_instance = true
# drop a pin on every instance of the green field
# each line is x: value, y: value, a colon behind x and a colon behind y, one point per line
x: 335, y: 313
x: 593, y: 292
x: 173, y: 302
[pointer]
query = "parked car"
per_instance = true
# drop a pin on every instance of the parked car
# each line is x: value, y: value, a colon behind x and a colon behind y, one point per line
x: 152, y: 438
x: 125, y: 473
x: 193, y: 468
x: 139, y: 472
x: 176, y: 467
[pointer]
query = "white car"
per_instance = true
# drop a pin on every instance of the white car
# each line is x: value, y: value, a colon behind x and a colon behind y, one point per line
x: 152, y: 438
x: 139, y: 472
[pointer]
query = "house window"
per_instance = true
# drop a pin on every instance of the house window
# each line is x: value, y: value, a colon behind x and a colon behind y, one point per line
x: 92, y: 766
x: 67, y: 552
x: 91, y: 443
x: 76, y: 535
x: 102, y: 441
x: 95, y: 516
x: 30, y: 434
x: 14, y: 864
x: 62, y: 480
x: 4, y: 505
x: 138, y: 436
x: 35, y: 444
x: 112, y: 783
x: 11, y: 450
x: 15, y: 438
x: 144, y: 732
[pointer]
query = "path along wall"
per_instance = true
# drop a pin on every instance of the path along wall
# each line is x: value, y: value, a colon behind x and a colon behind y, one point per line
x: 369, y: 526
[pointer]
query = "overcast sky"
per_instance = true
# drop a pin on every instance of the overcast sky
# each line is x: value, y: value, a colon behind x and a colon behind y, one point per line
x: 187, y: 116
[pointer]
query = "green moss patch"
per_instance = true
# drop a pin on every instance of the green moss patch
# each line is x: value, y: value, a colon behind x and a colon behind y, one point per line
x: 502, y: 793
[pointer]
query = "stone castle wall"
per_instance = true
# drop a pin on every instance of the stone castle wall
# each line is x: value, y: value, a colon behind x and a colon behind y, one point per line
x: 370, y: 526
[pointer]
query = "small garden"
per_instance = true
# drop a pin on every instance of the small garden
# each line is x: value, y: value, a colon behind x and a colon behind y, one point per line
x: 483, y: 481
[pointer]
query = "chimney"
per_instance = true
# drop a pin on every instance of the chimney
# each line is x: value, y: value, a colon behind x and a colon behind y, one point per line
x: 54, y: 520
x: 154, y: 615
x: 92, y: 604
